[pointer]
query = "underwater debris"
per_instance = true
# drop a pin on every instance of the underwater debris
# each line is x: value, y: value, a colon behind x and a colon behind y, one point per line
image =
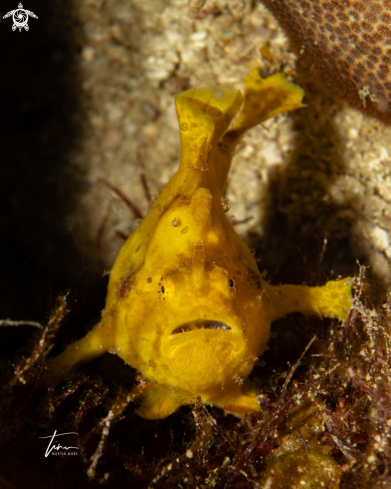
x: 308, y: 469
x: 118, y: 406
x: 44, y: 345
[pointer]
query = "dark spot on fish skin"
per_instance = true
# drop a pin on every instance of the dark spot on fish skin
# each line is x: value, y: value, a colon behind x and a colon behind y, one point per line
x: 184, y: 263
x: 198, y: 247
x: 254, y: 278
x: 126, y: 286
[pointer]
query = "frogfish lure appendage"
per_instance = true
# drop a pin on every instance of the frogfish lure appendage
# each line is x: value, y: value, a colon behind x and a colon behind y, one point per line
x: 186, y: 304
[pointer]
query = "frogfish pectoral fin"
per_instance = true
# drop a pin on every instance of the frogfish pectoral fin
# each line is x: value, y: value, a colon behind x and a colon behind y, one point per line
x: 264, y: 98
x: 161, y: 401
x: 238, y: 399
x: 98, y: 341
x: 331, y: 300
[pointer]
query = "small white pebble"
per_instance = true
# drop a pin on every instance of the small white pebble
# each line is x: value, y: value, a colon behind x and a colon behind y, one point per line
x: 88, y: 54
x: 111, y: 140
x: 114, y: 113
x: 97, y: 121
x: 198, y: 36
x: 161, y: 74
x: 379, y: 238
x: 248, y: 151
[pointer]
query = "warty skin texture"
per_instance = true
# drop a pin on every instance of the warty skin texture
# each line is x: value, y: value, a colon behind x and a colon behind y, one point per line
x: 186, y: 304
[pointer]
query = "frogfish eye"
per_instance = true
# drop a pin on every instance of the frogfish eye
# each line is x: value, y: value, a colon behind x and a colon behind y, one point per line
x: 162, y: 289
x: 231, y: 284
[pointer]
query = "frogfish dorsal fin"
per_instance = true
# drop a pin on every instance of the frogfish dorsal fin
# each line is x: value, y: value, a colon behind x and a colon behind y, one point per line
x: 264, y: 98
x: 204, y: 114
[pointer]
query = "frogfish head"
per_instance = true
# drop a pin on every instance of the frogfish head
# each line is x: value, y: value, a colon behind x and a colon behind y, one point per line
x: 193, y: 316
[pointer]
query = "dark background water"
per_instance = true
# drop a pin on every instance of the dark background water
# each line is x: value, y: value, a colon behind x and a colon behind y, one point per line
x: 40, y: 125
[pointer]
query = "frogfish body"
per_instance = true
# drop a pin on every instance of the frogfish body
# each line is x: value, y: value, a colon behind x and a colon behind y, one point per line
x: 186, y: 304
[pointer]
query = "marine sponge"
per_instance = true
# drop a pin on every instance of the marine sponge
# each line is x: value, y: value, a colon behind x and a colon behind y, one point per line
x: 346, y: 45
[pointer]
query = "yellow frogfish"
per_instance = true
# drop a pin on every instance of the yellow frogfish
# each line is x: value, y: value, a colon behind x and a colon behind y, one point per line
x: 186, y: 304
